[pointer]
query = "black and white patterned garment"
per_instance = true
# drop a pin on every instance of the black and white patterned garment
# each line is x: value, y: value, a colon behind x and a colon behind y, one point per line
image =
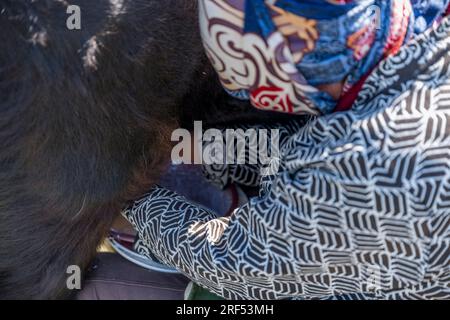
x: 361, y: 208
x: 250, y: 175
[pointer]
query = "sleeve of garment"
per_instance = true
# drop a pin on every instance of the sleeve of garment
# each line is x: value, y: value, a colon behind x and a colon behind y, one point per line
x: 257, y: 253
x: 250, y: 175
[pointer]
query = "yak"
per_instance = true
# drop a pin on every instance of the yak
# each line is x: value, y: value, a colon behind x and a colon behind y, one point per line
x: 86, y: 116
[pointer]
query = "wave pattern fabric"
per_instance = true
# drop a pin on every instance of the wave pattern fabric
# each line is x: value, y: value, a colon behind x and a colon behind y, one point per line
x: 361, y: 208
x: 251, y: 175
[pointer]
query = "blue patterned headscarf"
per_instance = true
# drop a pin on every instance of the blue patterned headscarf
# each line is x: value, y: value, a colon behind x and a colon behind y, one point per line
x: 276, y: 52
x: 427, y: 12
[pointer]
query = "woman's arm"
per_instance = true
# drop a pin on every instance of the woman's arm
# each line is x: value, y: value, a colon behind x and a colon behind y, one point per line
x: 360, y: 206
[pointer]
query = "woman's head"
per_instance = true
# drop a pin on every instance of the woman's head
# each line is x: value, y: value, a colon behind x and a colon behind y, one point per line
x: 300, y: 55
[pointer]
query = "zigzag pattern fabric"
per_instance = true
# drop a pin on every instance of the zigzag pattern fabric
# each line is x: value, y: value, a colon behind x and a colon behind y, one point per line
x: 250, y: 175
x: 361, y: 208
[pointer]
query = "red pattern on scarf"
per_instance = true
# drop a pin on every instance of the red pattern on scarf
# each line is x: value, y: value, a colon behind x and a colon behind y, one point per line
x: 397, y: 34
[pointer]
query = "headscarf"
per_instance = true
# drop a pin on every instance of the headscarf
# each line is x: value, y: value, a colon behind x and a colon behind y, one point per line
x: 276, y: 52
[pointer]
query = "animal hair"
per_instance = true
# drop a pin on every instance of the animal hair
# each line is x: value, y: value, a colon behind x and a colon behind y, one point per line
x: 85, y: 123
